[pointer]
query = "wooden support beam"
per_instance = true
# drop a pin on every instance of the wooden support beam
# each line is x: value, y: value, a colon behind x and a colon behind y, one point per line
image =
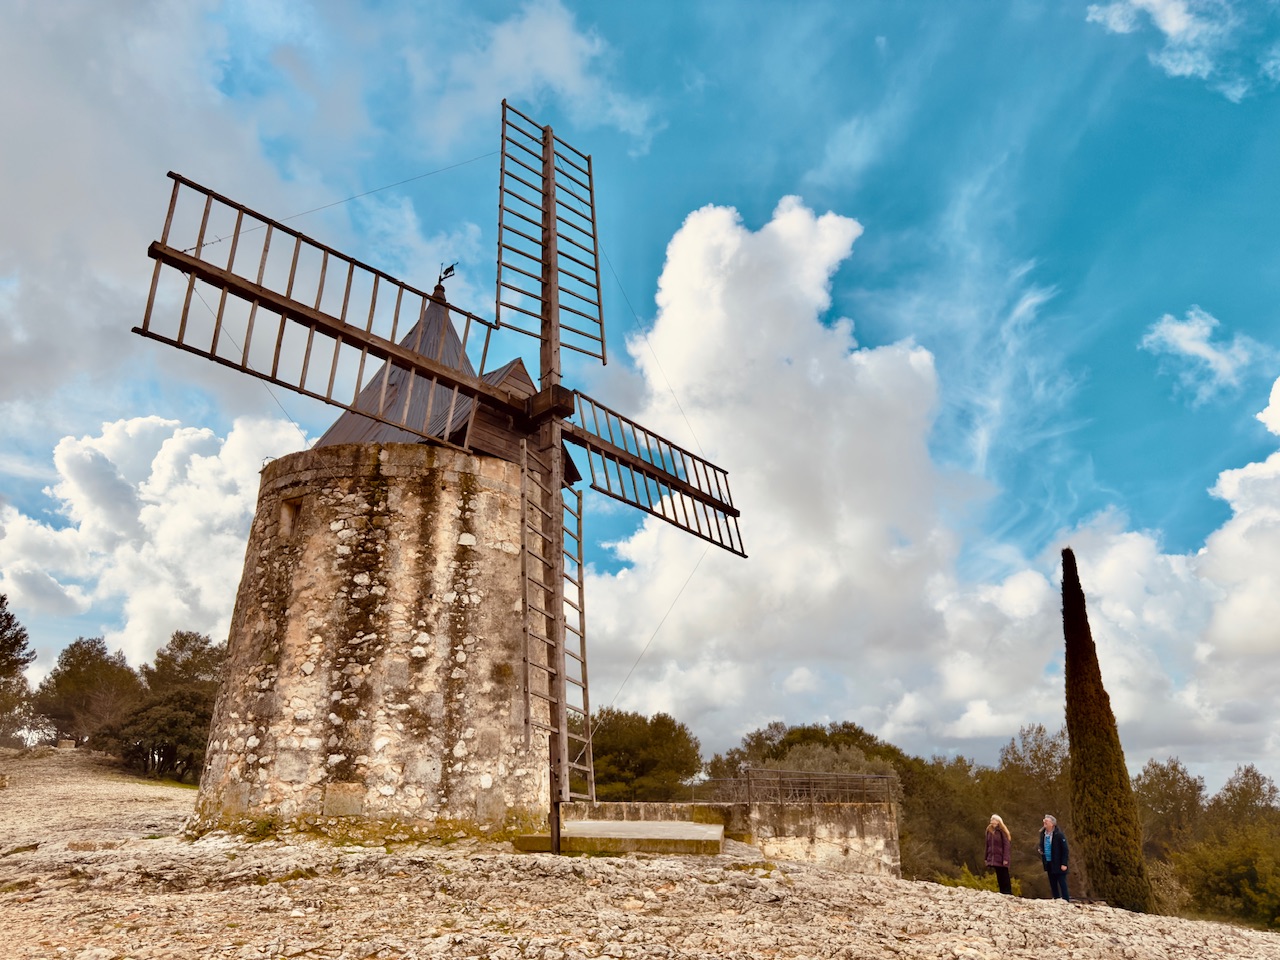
x: 373, y: 344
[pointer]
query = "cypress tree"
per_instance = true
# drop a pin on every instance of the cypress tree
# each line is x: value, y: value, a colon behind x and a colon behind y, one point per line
x: 1104, y: 812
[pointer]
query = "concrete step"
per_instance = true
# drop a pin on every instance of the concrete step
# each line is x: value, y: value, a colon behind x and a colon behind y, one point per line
x: 629, y: 836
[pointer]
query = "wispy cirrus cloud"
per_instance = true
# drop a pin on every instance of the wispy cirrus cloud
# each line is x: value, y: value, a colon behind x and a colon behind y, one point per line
x: 1203, y: 365
x: 539, y: 53
x: 1211, y: 40
x: 858, y: 143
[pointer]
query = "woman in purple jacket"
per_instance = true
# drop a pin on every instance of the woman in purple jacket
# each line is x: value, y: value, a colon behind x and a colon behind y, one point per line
x: 999, y: 846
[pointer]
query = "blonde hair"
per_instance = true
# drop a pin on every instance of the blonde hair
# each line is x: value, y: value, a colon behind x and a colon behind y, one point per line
x: 998, y: 824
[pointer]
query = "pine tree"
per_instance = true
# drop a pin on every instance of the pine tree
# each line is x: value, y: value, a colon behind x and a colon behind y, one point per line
x: 1104, y: 811
x: 15, y: 694
x: 15, y: 652
x: 89, y: 688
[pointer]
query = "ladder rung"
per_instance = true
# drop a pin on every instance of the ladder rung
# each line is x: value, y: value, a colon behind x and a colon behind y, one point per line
x: 539, y: 508
x: 537, y: 533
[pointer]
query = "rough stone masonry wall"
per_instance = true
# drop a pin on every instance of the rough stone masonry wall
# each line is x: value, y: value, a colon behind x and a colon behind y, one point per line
x: 850, y: 837
x: 375, y: 652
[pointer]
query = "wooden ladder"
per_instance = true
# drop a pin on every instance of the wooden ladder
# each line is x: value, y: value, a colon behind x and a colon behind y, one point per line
x: 556, y: 699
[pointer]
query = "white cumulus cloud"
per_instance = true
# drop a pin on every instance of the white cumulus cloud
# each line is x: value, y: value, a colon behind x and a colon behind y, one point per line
x: 851, y: 605
x: 151, y: 519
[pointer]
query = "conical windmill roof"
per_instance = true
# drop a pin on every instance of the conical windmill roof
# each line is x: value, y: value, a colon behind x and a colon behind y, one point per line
x: 432, y: 336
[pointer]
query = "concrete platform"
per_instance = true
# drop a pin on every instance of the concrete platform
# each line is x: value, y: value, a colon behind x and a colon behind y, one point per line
x: 629, y: 836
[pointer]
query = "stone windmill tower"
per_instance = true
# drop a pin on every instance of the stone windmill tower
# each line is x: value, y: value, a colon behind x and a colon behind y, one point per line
x: 409, y: 638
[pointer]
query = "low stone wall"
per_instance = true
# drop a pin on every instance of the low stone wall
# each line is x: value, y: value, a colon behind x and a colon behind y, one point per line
x: 852, y: 837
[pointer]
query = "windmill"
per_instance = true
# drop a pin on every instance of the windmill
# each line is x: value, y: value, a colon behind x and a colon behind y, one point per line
x: 290, y: 310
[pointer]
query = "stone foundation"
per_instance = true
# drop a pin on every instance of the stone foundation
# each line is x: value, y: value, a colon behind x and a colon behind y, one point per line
x: 375, y: 657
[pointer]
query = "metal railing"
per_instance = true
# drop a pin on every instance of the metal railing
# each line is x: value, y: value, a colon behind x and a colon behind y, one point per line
x: 795, y: 786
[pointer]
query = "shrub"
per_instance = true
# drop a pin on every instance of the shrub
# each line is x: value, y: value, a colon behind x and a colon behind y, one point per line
x: 1237, y: 875
x: 1169, y: 895
x: 987, y: 881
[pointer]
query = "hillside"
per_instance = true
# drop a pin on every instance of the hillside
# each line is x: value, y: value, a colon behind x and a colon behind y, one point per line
x: 93, y: 867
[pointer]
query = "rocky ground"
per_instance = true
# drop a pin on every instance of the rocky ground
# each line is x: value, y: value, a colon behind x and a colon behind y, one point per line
x: 93, y: 867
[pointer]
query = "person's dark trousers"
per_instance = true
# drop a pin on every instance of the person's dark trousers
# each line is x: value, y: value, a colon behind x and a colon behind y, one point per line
x: 1002, y: 878
x: 1058, y: 885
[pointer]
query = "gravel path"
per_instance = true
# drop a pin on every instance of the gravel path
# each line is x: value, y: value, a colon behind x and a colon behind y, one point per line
x: 93, y: 867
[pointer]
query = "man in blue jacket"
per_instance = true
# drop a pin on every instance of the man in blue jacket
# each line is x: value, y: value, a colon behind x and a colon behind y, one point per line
x: 1053, y: 854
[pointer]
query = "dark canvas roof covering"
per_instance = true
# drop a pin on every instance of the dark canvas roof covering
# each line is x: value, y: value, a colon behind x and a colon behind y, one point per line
x: 432, y: 336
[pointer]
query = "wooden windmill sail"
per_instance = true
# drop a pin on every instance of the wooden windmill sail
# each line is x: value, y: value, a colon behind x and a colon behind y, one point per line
x: 399, y: 362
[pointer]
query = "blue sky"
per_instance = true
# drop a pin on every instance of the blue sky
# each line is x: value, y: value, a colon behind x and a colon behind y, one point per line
x: 945, y: 288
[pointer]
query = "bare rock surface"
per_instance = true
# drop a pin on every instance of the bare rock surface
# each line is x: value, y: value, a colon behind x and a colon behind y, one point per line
x: 93, y: 866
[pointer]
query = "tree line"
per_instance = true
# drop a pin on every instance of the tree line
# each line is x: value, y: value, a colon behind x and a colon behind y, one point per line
x: 155, y: 718
x: 1206, y: 856
x: 1209, y: 856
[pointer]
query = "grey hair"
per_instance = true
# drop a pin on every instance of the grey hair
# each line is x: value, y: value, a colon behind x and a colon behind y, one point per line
x: 1051, y: 818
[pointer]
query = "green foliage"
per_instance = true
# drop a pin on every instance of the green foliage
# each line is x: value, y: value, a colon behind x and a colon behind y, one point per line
x: 15, y: 652
x: 263, y: 828
x: 986, y: 881
x: 1031, y: 780
x: 16, y: 715
x: 188, y: 659
x: 852, y: 749
x: 757, y: 747
x: 87, y: 690
x: 1038, y: 756
x: 1169, y: 895
x: 641, y: 758
x: 815, y: 757
x: 1233, y: 868
x: 944, y: 815
x: 15, y: 694
x: 165, y: 736
x: 1247, y: 798
x: 1108, y: 833
x: 1236, y: 875
x: 1170, y: 803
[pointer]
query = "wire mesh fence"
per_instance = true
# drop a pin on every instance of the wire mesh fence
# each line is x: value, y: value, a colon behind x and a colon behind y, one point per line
x: 794, y: 786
